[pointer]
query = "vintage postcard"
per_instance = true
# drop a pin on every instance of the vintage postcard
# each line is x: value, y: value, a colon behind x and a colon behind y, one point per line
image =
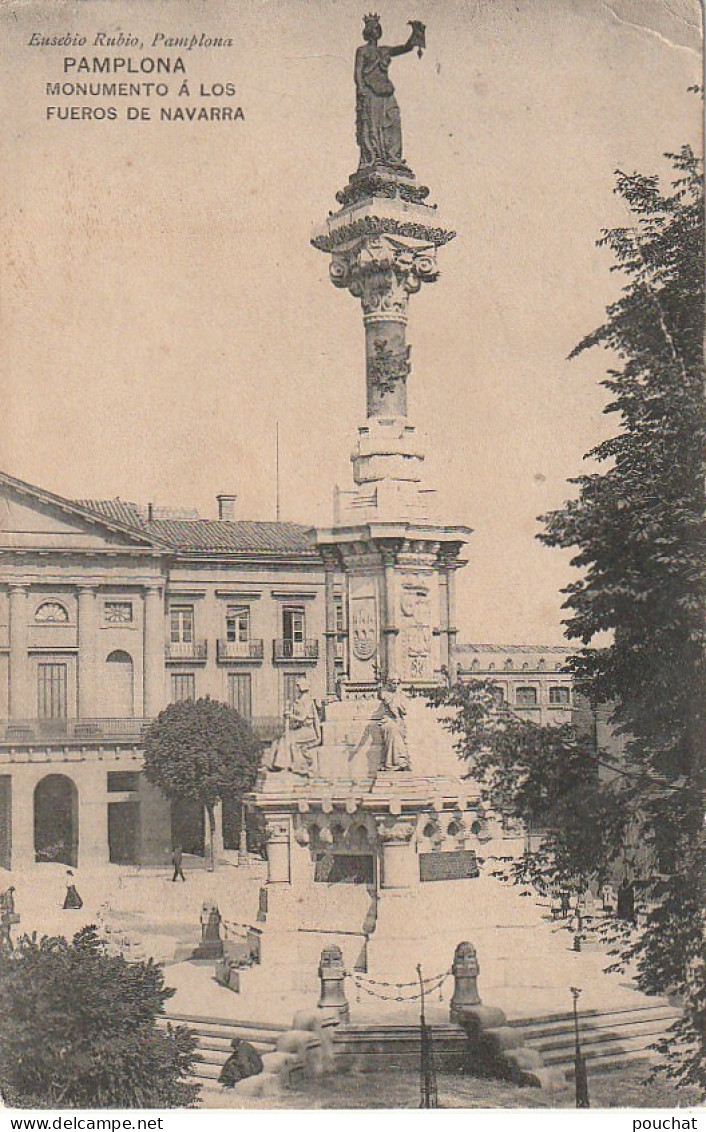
x: 351, y: 482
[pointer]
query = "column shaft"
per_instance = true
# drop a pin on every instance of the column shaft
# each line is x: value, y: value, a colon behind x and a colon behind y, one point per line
x: 20, y: 698
x: 329, y: 575
x: 153, y: 653
x: 390, y: 658
x: 87, y: 653
x: 451, y: 621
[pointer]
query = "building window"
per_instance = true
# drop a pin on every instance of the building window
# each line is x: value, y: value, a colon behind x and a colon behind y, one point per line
x: 238, y: 624
x: 117, y: 612
x: 289, y: 686
x: 526, y: 697
x: 52, y: 613
x: 499, y: 695
x: 293, y: 630
x: 559, y: 696
x: 508, y: 663
x: 122, y: 781
x: 183, y: 686
x: 181, y: 624
x: 240, y: 693
x: 51, y: 691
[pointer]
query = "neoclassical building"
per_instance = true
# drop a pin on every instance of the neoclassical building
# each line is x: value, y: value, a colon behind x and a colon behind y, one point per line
x: 534, y: 680
x: 109, y: 612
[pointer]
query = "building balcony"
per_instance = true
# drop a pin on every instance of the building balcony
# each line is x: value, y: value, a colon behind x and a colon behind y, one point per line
x: 267, y: 728
x: 251, y: 651
x: 181, y: 651
x: 18, y: 731
x: 302, y: 652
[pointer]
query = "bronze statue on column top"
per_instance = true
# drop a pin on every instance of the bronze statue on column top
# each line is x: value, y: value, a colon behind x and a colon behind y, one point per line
x: 378, y: 123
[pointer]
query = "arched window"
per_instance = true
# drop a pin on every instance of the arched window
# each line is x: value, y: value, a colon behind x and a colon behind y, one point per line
x: 52, y: 613
x: 508, y: 663
x: 119, y: 689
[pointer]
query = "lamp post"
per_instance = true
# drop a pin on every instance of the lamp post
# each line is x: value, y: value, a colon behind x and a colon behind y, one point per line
x: 582, y: 1100
x: 243, y: 837
x: 429, y: 1097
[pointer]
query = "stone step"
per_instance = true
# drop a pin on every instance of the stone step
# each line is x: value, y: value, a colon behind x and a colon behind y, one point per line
x: 545, y: 1022
x: 197, y: 1021
x: 642, y: 1036
x: 214, y: 1036
x: 209, y: 1046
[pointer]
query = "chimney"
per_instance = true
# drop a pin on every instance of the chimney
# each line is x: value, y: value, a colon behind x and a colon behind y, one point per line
x: 226, y: 507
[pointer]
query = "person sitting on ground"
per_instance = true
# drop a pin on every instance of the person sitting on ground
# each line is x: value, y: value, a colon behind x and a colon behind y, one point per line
x: 244, y: 1062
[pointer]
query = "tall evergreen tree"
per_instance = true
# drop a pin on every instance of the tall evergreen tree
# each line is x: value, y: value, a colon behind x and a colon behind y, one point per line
x: 640, y: 532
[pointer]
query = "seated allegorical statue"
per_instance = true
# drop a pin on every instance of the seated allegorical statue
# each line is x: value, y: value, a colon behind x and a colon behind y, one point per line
x: 393, y: 728
x: 294, y: 749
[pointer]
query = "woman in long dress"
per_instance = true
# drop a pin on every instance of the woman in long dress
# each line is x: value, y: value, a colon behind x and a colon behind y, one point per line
x: 378, y: 122
x: 72, y: 899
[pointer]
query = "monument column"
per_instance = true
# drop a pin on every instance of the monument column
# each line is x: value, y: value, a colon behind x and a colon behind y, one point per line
x: 19, y: 657
x: 278, y: 870
x: 330, y: 633
x: 153, y: 657
x: 87, y: 659
x: 399, y: 861
x: 451, y: 631
x: 390, y: 629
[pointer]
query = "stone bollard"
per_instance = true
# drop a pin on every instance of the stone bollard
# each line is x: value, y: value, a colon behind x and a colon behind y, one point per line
x: 465, y: 971
x: 332, y: 973
x: 211, y: 946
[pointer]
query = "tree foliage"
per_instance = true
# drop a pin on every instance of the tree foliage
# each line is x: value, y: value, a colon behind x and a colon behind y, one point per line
x: 639, y: 528
x: 79, y: 1029
x: 546, y: 776
x: 201, y: 750
x: 638, y: 531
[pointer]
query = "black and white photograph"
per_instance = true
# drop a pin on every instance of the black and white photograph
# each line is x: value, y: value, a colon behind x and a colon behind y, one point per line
x: 352, y: 534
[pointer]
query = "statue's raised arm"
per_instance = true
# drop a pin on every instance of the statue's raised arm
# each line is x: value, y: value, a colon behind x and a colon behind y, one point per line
x: 378, y: 124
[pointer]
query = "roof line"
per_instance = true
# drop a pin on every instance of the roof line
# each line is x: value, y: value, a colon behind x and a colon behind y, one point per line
x: 73, y: 508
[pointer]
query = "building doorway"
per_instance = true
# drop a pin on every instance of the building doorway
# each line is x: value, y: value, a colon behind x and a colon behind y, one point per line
x: 56, y: 820
x: 124, y: 833
x: 189, y: 826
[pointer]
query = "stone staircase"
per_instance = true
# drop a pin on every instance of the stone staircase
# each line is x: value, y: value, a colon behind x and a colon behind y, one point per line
x: 609, y: 1039
x: 392, y: 1046
x: 214, y: 1036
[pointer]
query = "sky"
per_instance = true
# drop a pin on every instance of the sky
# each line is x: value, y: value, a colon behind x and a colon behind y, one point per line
x: 162, y: 307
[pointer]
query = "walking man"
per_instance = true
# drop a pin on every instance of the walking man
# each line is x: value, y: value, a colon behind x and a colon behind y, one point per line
x: 177, y: 860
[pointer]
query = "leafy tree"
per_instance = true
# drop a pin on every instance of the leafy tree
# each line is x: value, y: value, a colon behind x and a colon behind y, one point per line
x: 79, y: 1029
x: 639, y: 528
x: 201, y: 750
x: 639, y: 532
x: 546, y: 776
